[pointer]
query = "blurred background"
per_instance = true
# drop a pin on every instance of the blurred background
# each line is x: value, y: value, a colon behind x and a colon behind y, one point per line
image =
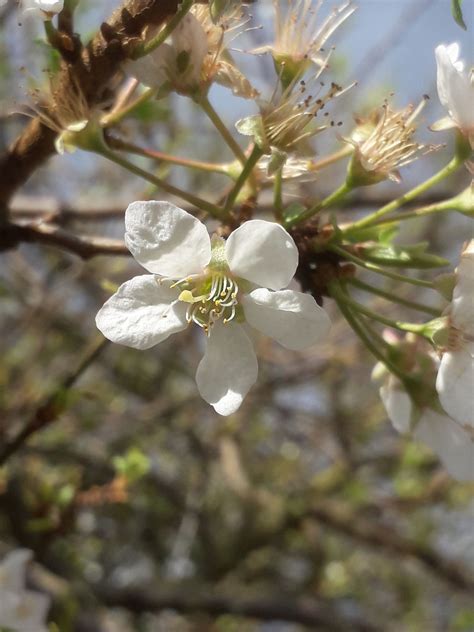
x: 145, y: 510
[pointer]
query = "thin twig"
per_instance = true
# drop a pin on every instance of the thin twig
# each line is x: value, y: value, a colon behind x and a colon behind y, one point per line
x: 54, y: 404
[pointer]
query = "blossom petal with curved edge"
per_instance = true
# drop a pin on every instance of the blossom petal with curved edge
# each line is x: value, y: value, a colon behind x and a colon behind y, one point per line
x: 453, y: 444
x: 397, y: 404
x: 462, y: 311
x: 166, y: 240
x: 44, y: 9
x: 228, y: 369
x: 142, y: 313
x: 150, y: 70
x: 455, y: 384
x: 291, y: 318
x: 13, y: 570
x: 24, y: 611
x: 190, y: 37
x: 263, y: 253
x: 455, y: 88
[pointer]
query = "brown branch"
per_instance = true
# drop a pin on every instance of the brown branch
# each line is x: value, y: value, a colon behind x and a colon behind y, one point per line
x: 383, y: 536
x: 50, y: 409
x: 312, y: 614
x: 31, y: 207
x: 85, y: 246
x: 92, y: 71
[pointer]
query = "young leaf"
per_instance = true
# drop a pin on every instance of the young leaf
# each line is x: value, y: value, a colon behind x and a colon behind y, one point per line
x: 457, y: 13
x: 402, y: 256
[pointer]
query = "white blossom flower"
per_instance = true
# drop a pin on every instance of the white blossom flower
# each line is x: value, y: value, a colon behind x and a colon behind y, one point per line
x: 414, y: 407
x: 46, y: 9
x: 21, y: 610
x: 195, y: 56
x: 455, y: 91
x: 387, y: 147
x: 219, y: 285
x: 453, y: 443
x: 299, y: 40
x: 455, y: 380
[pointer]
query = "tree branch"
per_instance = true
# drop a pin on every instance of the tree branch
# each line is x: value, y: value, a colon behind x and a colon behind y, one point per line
x: 314, y: 615
x: 85, y: 246
x: 92, y: 72
x: 50, y: 409
x: 383, y: 536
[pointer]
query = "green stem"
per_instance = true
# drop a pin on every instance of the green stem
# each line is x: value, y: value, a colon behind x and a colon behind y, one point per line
x: 118, y: 115
x: 339, y: 296
x: 168, y: 158
x: 169, y: 188
x: 454, y: 164
x: 389, y: 322
x: 277, y: 193
x: 389, y: 296
x: 335, y: 197
x: 332, y: 158
x: 375, y: 268
x: 424, y: 211
x: 162, y: 36
x: 222, y: 129
x: 243, y: 177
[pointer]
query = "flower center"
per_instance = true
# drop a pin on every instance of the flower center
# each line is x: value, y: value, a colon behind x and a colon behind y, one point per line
x: 210, y: 299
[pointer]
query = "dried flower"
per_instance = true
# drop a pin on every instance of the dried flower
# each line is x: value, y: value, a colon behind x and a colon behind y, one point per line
x: 388, y: 147
x: 299, y: 40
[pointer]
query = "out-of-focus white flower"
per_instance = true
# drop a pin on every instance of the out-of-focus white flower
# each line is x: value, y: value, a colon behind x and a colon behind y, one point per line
x: 449, y: 440
x: 455, y: 381
x: 455, y: 91
x: 299, y: 39
x: 45, y: 9
x: 287, y: 121
x: 21, y: 610
x: 420, y: 412
x: 195, y: 57
x: 219, y: 285
x: 381, y: 151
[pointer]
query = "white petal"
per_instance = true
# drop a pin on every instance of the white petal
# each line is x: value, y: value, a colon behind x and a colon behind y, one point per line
x: 263, y: 253
x: 398, y: 404
x: 462, y: 312
x: 24, y: 611
x: 151, y: 69
x: 455, y: 88
x: 228, y: 369
x: 190, y: 36
x: 166, y: 240
x: 13, y: 569
x: 142, y: 313
x: 453, y: 444
x: 291, y: 318
x: 455, y: 384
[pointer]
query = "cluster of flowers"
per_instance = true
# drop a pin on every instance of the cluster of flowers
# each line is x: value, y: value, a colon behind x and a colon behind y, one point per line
x: 21, y: 610
x: 231, y: 287
x: 438, y: 405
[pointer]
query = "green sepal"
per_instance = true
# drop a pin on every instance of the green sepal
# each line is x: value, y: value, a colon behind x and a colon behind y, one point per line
x: 277, y: 160
x: 402, y: 256
x: 253, y: 126
x: 380, y: 234
x: 293, y: 212
x: 444, y: 284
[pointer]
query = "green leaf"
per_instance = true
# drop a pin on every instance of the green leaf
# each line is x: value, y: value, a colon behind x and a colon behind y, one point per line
x: 253, y: 126
x: 457, y: 13
x: 133, y: 465
x: 403, y: 256
x: 381, y: 234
